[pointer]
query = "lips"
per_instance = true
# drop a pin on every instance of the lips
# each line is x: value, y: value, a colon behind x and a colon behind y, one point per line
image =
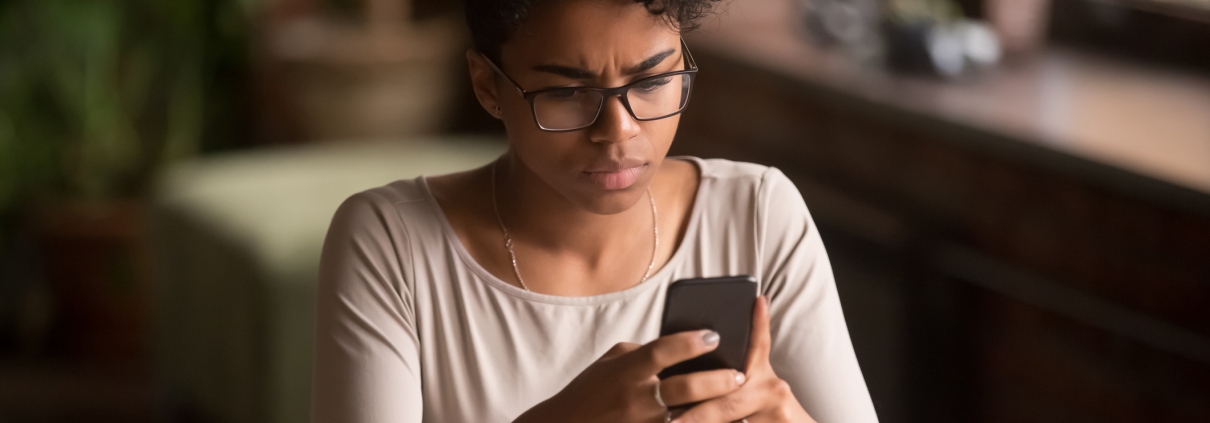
x: 615, y: 175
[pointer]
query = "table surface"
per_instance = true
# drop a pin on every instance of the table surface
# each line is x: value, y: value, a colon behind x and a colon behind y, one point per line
x: 1142, y: 119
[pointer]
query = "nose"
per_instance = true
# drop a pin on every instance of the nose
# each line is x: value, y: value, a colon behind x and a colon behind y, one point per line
x: 614, y: 124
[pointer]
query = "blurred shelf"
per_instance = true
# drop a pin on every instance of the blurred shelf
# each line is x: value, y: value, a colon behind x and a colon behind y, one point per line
x: 1132, y: 126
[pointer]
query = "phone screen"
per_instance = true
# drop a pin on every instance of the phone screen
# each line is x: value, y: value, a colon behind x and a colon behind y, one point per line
x: 721, y: 304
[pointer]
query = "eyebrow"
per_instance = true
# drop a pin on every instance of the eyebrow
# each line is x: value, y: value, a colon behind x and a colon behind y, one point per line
x: 577, y: 73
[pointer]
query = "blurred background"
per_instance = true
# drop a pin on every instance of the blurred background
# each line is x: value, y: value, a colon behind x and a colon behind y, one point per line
x: 1015, y: 194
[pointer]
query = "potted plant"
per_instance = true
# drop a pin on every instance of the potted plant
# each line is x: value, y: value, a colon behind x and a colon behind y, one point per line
x: 95, y: 97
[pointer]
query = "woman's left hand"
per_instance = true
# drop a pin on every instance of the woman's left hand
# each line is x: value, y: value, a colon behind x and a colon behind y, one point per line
x: 764, y: 398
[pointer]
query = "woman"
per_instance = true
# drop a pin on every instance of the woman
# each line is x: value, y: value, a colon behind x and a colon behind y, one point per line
x: 530, y: 289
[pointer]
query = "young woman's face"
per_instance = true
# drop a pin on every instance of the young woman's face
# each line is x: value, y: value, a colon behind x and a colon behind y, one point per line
x: 604, y: 168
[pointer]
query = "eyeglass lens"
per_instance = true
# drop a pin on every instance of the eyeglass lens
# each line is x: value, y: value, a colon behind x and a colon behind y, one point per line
x: 650, y: 98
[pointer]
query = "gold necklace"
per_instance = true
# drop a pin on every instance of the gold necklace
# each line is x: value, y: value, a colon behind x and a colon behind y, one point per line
x: 508, y: 241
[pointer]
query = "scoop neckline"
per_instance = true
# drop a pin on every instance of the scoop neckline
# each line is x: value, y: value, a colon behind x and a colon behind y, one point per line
x: 592, y: 300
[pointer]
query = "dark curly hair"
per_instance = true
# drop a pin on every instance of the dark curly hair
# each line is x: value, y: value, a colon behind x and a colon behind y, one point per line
x: 492, y: 22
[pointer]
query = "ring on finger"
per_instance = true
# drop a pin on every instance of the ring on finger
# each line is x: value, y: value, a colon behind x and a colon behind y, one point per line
x: 659, y: 400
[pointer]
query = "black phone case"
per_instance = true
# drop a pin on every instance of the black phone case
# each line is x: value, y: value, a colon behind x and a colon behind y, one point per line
x: 722, y: 304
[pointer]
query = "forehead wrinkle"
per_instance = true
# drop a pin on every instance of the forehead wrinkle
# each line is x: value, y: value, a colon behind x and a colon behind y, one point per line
x: 559, y: 35
x: 583, y: 72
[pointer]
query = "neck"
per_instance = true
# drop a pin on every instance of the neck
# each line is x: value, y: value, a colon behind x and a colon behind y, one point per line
x: 539, y: 215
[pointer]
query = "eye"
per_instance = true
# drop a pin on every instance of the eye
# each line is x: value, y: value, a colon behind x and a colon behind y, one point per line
x: 567, y: 93
x: 653, y: 83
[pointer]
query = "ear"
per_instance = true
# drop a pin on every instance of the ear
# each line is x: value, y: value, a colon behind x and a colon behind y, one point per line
x: 483, y: 80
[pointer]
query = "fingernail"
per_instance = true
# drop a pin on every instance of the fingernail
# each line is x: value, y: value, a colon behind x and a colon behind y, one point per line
x: 740, y: 378
x: 710, y: 338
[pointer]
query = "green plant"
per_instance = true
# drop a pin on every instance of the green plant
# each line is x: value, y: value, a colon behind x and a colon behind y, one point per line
x: 96, y: 95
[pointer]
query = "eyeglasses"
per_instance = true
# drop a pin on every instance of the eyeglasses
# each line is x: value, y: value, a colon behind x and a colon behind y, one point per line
x: 654, y: 97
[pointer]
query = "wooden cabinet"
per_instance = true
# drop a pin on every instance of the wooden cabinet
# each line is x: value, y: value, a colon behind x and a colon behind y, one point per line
x: 988, y: 273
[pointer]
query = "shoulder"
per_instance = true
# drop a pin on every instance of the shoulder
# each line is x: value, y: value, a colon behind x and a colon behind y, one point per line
x: 758, y: 197
x: 758, y: 184
x: 739, y: 174
x: 381, y: 210
x: 728, y: 170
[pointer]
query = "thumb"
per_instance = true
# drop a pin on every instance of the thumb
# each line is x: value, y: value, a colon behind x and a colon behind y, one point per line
x: 758, y: 353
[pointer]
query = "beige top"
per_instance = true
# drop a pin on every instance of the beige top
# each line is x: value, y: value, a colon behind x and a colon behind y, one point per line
x: 411, y: 329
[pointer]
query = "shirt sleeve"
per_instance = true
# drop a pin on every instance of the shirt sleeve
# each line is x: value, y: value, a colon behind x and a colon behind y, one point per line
x: 811, y: 349
x: 367, y: 366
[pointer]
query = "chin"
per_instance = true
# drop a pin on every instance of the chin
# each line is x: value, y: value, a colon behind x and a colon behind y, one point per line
x: 607, y: 202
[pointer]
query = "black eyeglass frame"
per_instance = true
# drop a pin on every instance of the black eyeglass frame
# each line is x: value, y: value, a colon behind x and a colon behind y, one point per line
x: 620, y: 92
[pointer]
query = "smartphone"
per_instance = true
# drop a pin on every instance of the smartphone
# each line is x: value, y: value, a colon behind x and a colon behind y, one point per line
x: 721, y: 304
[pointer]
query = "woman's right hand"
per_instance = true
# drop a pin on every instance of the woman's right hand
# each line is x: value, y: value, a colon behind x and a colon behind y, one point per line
x: 620, y: 386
